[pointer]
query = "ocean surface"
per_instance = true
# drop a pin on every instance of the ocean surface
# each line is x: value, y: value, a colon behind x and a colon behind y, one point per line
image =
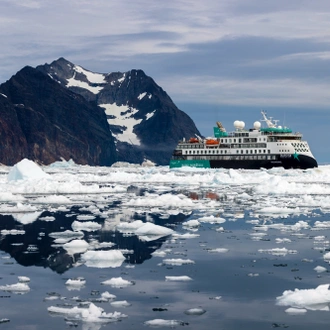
x: 222, y: 249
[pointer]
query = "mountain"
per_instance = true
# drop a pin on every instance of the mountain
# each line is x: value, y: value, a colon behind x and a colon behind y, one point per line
x: 143, y: 119
x: 45, y: 122
x: 63, y: 111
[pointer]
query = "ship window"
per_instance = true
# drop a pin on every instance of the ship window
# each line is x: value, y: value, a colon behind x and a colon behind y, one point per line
x: 247, y: 151
x: 251, y: 151
x: 264, y: 151
x: 268, y: 151
x: 237, y: 151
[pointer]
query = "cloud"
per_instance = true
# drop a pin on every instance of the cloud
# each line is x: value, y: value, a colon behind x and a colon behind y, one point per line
x: 271, y: 93
x: 210, y: 51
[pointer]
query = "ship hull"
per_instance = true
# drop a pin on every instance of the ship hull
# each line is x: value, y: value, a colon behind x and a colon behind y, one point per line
x: 303, y: 162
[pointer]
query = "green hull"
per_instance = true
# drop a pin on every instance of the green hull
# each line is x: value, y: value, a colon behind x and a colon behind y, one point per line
x: 191, y: 163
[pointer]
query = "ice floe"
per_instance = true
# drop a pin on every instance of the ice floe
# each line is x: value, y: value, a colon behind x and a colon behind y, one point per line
x: 90, y: 314
x: 164, y: 323
x: 25, y: 170
x: 178, y: 262
x: 182, y: 278
x: 75, y: 284
x: 19, y: 288
x: 103, y: 259
x: 311, y: 299
x: 117, y: 282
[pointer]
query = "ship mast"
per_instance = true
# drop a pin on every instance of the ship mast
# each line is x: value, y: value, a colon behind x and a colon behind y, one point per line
x: 269, y: 122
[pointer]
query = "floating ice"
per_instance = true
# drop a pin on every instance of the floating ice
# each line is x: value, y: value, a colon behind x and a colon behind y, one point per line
x: 92, y: 314
x: 117, y: 282
x: 152, y: 229
x: 26, y: 169
x: 311, y: 299
x: 166, y: 200
x: 19, y: 288
x: 85, y: 217
x: 191, y: 223
x: 178, y: 262
x: 18, y: 208
x: 6, y: 196
x: 86, y: 226
x: 217, y: 250
x: 159, y: 254
x: 282, y: 240
x: 164, y: 323
x: 278, y: 251
x: 129, y: 227
x: 108, y: 296
x: 178, y: 278
x: 53, y: 199
x: 103, y: 259
x: 75, y: 284
x: 185, y: 235
x: 122, y: 303
x: 48, y: 218
x: 12, y: 232
x: 275, y: 210
x: 23, y: 279
x: 212, y: 219
x: 195, y: 311
x: 76, y: 246
x: 143, y: 229
x: 67, y: 234
x: 295, y: 311
x: 320, y: 269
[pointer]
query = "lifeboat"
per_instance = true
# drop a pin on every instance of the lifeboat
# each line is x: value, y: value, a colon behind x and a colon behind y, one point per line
x: 211, y: 142
x: 193, y: 140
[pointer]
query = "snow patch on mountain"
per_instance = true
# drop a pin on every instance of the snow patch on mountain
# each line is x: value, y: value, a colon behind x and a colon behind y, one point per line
x: 149, y: 115
x: 92, y: 77
x: 122, y: 115
x: 141, y: 96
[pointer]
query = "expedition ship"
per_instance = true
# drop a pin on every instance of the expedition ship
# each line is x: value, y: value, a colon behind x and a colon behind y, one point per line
x: 272, y: 146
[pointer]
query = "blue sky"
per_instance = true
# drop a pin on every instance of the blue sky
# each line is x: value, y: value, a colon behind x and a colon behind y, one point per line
x: 218, y: 60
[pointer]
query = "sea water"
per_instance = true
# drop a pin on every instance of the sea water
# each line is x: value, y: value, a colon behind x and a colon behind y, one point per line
x: 244, y: 249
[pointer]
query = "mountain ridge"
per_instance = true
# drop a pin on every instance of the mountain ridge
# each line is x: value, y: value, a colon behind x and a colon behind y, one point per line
x: 126, y: 115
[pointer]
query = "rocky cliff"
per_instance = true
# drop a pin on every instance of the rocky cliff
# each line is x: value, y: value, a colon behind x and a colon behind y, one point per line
x: 63, y: 111
x: 141, y: 116
x: 45, y: 122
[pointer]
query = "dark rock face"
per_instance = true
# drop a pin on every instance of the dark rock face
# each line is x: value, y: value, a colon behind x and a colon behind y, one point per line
x: 62, y: 111
x: 141, y: 116
x: 13, y: 146
x: 45, y: 122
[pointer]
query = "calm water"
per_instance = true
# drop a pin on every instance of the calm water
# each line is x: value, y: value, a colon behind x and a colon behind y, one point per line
x: 237, y: 288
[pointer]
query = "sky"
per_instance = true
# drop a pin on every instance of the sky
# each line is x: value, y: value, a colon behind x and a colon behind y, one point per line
x: 217, y: 60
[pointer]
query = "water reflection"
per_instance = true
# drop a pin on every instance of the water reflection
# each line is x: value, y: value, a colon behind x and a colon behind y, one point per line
x: 31, y: 242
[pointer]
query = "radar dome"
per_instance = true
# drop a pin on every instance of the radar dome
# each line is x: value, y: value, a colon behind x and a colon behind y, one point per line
x: 257, y: 125
x: 241, y: 124
x: 236, y: 124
